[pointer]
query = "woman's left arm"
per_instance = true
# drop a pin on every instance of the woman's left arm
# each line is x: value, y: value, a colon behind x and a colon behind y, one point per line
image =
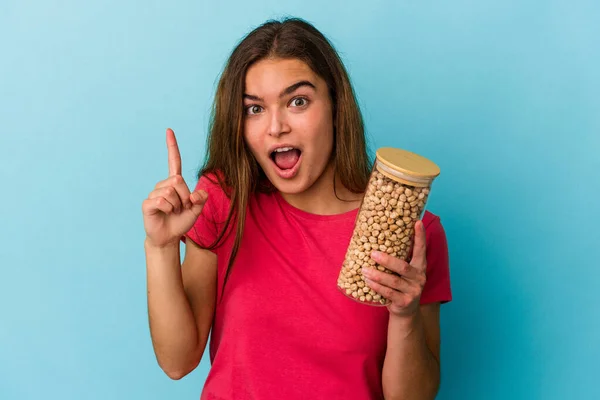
x: 411, y: 369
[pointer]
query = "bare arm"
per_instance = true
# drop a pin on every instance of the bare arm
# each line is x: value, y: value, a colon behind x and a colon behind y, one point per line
x: 411, y: 369
x: 181, y: 299
x: 181, y: 303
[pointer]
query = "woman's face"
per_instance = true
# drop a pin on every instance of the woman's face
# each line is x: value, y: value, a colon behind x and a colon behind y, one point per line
x: 288, y: 122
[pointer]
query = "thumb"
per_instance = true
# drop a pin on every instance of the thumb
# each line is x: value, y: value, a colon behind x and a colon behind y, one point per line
x: 198, y: 199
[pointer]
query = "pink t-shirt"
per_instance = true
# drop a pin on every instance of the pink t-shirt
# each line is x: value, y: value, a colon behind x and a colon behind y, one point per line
x: 281, y: 329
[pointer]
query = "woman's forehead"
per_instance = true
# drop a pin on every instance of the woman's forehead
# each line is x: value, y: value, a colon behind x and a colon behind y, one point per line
x: 270, y: 76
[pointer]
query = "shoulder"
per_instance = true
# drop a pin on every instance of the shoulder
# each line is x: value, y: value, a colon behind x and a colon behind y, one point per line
x: 435, y: 233
x: 219, y: 194
x: 432, y: 222
x: 437, y: 287
x: 213, y: 182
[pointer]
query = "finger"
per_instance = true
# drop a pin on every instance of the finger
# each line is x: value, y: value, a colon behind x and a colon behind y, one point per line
x: 155, y: 205
x: 169, y: 194
x: 170, y: 181
x: 180, y: 186
x: 395, y: 264
x: 165, y: 183
x: 387, y: 292
x: 390, y: 280
x: 198, y: 199
x: 174, y: 156
x: 419, y: 257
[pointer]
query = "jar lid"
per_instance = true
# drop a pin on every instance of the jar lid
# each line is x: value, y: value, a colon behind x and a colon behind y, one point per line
x: 408, y: 163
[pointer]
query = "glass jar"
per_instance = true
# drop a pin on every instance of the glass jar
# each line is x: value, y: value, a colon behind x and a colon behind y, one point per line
x: 395, y: 199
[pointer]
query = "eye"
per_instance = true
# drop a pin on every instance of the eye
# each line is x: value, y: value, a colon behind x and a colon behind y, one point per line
x: 253, y: 109
x: 299, y: 102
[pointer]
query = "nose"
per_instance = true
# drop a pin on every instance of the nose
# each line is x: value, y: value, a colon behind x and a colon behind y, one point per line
x: 278, y: 124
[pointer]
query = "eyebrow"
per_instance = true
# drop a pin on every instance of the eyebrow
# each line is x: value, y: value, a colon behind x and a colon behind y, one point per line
x: 285, y: 92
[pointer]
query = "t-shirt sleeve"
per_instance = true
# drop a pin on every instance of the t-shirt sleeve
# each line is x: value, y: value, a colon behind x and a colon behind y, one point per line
x: 211, y: 220
x: 437, y: 286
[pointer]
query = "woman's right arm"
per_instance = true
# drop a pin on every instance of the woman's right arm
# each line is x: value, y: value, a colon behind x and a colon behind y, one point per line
x: 181, y: 301
x: 181, y: 298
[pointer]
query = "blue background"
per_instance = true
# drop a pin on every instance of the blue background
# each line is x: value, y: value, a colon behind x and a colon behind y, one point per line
x: 503, y: 95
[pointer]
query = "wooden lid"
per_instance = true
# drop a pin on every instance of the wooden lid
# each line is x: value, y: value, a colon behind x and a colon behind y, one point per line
x: 408, y: 163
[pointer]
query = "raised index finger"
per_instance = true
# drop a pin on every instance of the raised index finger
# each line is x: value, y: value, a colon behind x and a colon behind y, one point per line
x: 174, y: 157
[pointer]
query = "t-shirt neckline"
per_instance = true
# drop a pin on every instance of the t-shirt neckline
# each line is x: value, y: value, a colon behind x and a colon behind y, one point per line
x: 351, y: 214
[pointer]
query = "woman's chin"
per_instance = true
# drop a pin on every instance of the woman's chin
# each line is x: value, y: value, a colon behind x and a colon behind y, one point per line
x: 295, y: 186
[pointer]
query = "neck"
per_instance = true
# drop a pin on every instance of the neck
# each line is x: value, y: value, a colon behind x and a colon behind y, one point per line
x: 321, y: 197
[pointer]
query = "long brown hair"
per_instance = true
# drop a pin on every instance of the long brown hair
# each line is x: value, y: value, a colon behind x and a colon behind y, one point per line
x: 227, y: 155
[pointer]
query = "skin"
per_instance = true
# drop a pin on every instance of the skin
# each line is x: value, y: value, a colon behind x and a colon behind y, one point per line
x: 181, y: 297
x: 303, y: 118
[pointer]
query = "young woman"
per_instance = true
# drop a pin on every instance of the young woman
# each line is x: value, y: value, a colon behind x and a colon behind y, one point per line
x: 266, y: 230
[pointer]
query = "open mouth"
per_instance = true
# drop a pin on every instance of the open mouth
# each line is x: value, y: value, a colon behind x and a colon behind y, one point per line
x: 287, y: 160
